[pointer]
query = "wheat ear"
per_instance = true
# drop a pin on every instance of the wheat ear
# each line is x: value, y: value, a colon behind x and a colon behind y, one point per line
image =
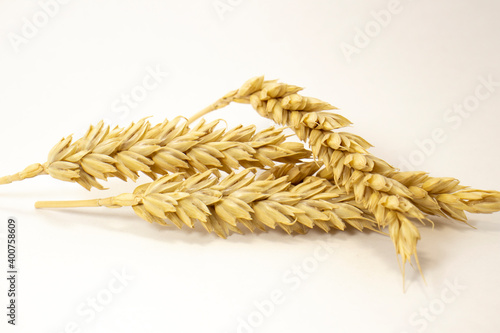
x: 391, y: 195
x: 167, y: 147
x: 344, y: 154
x: 219, y: 205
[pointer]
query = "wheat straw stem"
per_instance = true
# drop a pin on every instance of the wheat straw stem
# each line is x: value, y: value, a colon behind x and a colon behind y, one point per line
x: 31, y: 171
x: 69, y: 203
x: 241, y: 95
x: 11, y: 178
x: 219, y: 104
x: 125, y: 199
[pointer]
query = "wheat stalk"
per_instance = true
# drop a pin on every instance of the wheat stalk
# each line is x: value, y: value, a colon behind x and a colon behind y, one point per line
x: 390, y: 195
x: 219, y: 205
x: 167, y: 147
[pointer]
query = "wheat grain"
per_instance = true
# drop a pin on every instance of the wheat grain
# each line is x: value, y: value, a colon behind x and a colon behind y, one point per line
x: 219, y: 205
x: 167, y: 147
x: 295, y: 172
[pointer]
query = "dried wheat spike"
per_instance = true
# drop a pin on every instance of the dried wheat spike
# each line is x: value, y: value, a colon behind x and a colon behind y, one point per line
x: 219, y: 205
x: 446, y: 197
x: 167, y: 147
x: 348, y: 164
x: 343, y: 154
x: 281, y: 103
x: 390, y: 195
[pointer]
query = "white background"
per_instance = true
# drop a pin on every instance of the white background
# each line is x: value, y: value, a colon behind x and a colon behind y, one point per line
x: 72, y: 70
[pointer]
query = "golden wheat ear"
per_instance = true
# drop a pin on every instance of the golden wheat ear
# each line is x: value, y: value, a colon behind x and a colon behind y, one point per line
x: 220, y: 205
x: 392, y: 197
x: 156, y: 150
x: 344, y: 155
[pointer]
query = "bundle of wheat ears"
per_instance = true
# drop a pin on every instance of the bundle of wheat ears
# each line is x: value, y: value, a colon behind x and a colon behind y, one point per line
x: 267, y: 183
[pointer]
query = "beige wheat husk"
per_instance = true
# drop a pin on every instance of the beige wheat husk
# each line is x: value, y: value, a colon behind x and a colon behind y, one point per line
x: 156, y: 150
x: 240, y: 198
x: 392, y: 196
